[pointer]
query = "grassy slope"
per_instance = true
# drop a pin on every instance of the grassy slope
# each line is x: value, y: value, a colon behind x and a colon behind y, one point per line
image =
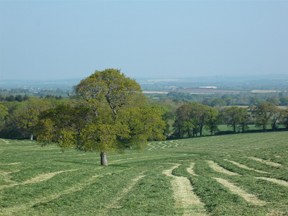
x: 134, y: 183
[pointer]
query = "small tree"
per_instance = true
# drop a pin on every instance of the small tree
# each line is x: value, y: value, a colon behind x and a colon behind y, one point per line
x: 3, y: 114
x: 245, y: 117
x: 236, y: 117
x: 284, y: 119
x: 263, y: 113
x: 183, y: 124
x: 275, y: 117
x: 212, y: 120
x: 26, y: 115
x: 191, y: 119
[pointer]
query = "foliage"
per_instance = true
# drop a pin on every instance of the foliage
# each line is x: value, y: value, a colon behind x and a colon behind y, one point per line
x: 3, y: 115
x: 109, y: 87
x: 236, y: 117
x: 24, y: 116
x: 111, y: 113
x: 263, y: 112
x: 284, y: 119
x: 142, y: 124
x: 191, y: 119
x: 10, y: 98
x: 212, y: 120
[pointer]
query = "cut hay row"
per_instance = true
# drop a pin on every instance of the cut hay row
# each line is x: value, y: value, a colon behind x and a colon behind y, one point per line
x: 5, y: 141
x: 6, y: 177
x: 45, y: 177
x: 217, y: 168
x: 269, y: 163
x: 37, y: 179
x: 45, y: 199
x: 10, y: 164
x: 276, y: 181
x: 163, y: 145
x: 151, y: 146
x: 115, y: 203
x: 240, y: 192
x: 78, y: 187
x: 244, y: 166
x: 190, y: 169
x: 184, y: 197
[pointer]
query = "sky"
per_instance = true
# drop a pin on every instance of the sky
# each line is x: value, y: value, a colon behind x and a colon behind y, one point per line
x: 67, y: 39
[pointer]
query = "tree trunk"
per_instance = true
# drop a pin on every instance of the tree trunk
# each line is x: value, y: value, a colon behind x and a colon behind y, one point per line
x: 103, y: 159
x: 31, y: 137
x: 243, y: 128
x: 201, y: 130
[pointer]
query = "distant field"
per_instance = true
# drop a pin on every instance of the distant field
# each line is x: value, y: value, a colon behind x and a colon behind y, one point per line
x: 242, y: 174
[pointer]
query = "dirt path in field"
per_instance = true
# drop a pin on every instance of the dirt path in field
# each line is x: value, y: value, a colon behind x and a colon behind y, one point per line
x: 191, y: 169
x: 269, y: 163
x: 183, y: 194
x: 244, y: 166
x: 220, y: 169
x: 276, y: 181
x: 240, y: 192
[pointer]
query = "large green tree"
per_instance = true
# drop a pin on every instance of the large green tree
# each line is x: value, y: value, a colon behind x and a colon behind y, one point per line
x: 108, y: 90
x: 114, y: 114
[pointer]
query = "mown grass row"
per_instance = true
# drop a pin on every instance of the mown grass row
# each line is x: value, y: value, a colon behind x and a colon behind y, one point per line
x: 134, y: 183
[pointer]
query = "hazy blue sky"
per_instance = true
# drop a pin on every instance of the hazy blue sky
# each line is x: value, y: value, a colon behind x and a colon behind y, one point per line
x: 71, y: 39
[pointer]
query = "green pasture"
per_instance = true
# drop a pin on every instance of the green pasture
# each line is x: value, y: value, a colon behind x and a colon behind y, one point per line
x: 241, y: 174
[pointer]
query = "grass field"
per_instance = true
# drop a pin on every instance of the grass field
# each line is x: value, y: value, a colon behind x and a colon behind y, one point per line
x: 243, y: 174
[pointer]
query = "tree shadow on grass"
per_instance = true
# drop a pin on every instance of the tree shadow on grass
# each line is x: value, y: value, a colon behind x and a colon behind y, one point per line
x: 78, y: 162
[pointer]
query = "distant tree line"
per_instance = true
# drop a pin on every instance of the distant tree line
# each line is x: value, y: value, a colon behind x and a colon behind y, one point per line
x: 192, y: 118
x: 22, y: 119
x: 242, y: 99
x: 21, y: 92
x: 10, y: 97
